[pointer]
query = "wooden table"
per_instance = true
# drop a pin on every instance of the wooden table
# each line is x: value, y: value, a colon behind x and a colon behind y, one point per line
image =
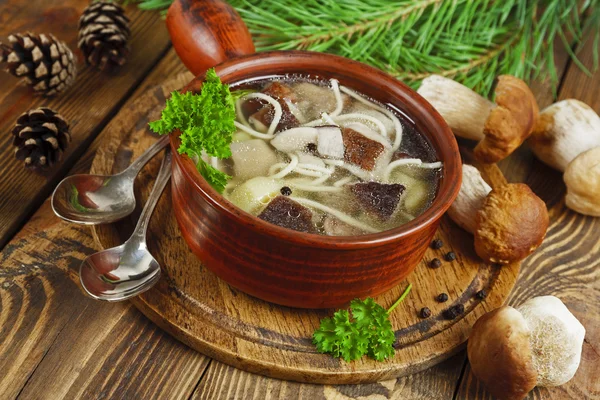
x: 57, y: 343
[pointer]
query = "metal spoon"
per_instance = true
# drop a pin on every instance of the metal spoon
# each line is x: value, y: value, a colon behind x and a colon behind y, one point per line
x: 99, y: 199
x: 125, y: 271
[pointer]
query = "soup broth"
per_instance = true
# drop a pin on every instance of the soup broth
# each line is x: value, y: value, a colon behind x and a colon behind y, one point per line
x: 317, y: 157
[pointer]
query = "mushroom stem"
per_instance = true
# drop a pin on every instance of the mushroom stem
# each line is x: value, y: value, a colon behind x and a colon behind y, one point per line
x: 463, y: 110
x: 470, y: 199
x: 564, y: 130
x: 582, y: 178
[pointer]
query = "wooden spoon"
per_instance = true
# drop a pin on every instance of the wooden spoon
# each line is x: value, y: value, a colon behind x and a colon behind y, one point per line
x: 205, y: 33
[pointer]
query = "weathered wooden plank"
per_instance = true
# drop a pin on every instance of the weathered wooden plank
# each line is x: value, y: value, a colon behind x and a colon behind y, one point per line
x: 224, y: 382
x: 68, y: 310
x: 54, y: 341
x: 89, y: 105
x: 567, y: 265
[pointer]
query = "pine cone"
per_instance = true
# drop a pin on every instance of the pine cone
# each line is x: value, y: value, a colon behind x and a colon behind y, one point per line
x: 103, y: 34
x: 41, y: 136
x: 43, y: 61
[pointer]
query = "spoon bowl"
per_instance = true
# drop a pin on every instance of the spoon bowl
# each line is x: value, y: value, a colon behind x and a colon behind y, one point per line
x: 94, y: 199
x: 101, y: 199
x: 119, y: 273
x: 127, y: 270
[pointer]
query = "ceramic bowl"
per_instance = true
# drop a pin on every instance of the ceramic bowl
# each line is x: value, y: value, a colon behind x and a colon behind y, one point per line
x: 299, y: 269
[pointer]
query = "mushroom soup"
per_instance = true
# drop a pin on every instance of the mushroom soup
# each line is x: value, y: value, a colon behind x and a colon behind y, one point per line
x: 317, y: 157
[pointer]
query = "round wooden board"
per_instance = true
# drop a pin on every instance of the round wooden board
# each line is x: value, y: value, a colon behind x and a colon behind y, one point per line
x: 207, y: 314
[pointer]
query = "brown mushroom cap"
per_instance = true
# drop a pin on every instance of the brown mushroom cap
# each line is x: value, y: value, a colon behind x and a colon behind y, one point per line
x: 511, y: 224
x: 510, y: 123
x: 500, y: 354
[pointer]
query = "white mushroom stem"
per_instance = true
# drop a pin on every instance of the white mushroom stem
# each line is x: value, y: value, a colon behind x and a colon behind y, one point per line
x: 582, y: 178
x: 565, y: 130
x: 470, y: 199
x: 556, y: 339
x: 463, y: 110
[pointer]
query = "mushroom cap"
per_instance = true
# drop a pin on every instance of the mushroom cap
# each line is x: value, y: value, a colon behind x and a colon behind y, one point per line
x: 500, y: 354
x: 564, y: 130
x: 511, y: 224
x: 470, y: 199
x: 556, y: 339
x: 582, y: 178
x: 510, y: 123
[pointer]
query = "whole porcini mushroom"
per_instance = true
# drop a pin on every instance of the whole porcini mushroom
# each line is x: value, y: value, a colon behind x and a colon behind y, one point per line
x: 500, y: 128
x: 567, y: 138
x: 582, y: 178
x: 537, y: 344
x: 565, y: 130
x: 508, y: 222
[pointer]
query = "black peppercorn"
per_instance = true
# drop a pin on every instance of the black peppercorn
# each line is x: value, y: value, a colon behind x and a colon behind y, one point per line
x: 437, y: 244
x: 454, y: 311
x: 442, y: 297
x: 311, y: 148
x: 425, y: 312
x: 482, y: 294
x: 450, y: 256
x: 435, y: 263
x: 286, y: 191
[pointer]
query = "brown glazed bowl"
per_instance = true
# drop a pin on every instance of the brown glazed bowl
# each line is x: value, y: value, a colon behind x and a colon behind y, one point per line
x: 299, y: 269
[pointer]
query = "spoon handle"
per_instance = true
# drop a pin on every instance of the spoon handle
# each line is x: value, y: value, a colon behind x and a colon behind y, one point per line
x: 135, y: 167
x: 159, y: 185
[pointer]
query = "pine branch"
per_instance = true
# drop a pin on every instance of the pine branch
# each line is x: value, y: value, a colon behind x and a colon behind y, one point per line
x: 349, y: 31
x: 470, y: 41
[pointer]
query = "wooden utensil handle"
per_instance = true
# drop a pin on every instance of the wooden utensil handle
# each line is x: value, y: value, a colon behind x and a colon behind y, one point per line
x: 205, y: 33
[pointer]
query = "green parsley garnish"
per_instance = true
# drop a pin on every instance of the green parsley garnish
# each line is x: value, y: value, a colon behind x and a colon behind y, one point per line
x: 368, y: 332
x: 206, y: 124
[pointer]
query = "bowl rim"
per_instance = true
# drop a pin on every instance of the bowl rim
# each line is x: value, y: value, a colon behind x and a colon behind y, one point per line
x: 450, y: 181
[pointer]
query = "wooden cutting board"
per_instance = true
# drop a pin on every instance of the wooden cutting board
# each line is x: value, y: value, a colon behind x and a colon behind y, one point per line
x: 199, y: 309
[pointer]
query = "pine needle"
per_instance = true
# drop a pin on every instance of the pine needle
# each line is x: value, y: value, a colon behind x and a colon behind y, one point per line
x: 470, y: 41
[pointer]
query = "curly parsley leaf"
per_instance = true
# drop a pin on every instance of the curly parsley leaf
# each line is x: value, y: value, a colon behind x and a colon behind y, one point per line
x: 369, y: 331
x: 206, y: 124
x: 217, y: 179
x: 373, y: 319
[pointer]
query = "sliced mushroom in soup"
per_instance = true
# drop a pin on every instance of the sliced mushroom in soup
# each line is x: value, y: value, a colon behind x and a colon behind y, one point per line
x: 317, y: 157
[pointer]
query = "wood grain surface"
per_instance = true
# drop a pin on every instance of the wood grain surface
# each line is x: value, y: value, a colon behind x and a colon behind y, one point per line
x: 55, y: 343
x: 201, y: 310
x: 88, y: 105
